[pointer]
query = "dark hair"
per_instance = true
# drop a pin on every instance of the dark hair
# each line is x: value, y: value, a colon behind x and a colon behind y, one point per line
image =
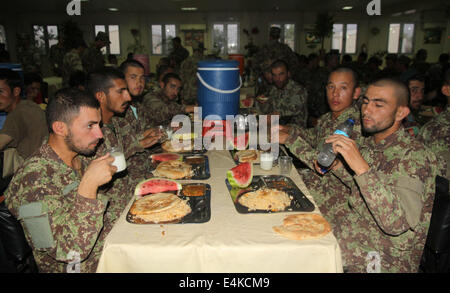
x: 102, y: 80
x: 400, y: 88
x: 66, y: 104
x: 77, y: 78
x: 170, y: 75
x: 11, y: 78
x: 347, y: 69
x: 133, y: 63
x: 161, y: 70
x: 31, y: 77
x: 446, y: 80
x: 177, y: 40
x: 279, y: 63
x: 419, y: 77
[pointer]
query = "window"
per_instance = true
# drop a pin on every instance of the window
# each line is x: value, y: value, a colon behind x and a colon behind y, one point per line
x: 45, y: 36
x: 344, y: 37
x: 401, y: 37
x: 162, y: 34
x: 226, y: 38
x: 113, y: 33
x: 287, y: 33
x: 3, y: 36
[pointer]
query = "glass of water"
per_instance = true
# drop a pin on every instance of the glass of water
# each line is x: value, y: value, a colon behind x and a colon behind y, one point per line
x: 285, y: 163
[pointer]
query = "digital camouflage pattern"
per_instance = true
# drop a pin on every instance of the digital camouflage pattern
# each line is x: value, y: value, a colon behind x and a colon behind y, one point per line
x: 93, y: 59
x: 78, y: 224
x: 56, y: 56
x: 179, y: 55
x: 275, y: 50
x: 290, y: 102
x: 71, y: 63
x: 436, y: 135
x: 315, y: 82
x: 161, y: 107
x: 390, y: 206
x: 328, y: 192
x: 188, y: 74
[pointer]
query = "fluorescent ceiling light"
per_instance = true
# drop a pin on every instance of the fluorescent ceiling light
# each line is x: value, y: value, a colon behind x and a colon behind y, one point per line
x: 113, y: 9
x: 347, y: 8
x: 397, y: 14
x: 412, y: 11
x: 189, y: 8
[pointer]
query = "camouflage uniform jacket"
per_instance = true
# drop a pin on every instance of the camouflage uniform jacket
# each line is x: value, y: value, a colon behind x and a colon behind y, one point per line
x: 436, y: 135
x: 93, y: 59
x: 71, y: 63
x: 162, y: 108
x: 315, y: 83
x: 179, y: 55
x: 274, y: 50
x: 188, y: 74
x: 390, y: 205
x: 330, y: 195
x: 77, y: 224
x: 291, y: 102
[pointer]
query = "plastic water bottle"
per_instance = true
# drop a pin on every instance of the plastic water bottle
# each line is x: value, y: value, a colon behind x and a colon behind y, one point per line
x: 326, y: 156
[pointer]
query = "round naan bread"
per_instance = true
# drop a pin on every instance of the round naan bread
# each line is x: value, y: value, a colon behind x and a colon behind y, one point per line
x: 303, y: 226
x: 173, y: 170
x: 160, y: 208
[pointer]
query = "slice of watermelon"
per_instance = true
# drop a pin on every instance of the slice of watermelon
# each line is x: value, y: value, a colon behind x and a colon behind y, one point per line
x: 240, y: 176
x: 156, y: 185
x: 163, y: 157
x: 239, y: 142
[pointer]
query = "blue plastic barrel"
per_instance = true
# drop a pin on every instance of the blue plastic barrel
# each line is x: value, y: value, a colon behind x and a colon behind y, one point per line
x: 219, y: 86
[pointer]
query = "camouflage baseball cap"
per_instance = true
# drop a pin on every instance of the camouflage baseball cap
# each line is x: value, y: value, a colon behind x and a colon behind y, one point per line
x: 102, y: 36
x: 196, y: 45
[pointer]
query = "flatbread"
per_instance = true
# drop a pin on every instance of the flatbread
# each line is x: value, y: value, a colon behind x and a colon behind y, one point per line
x: 265, y: 199
x: 160, y: 207
x: 247, y: 156
x: 181, y: 147
x: 303, y: 226
x: 173, y: 170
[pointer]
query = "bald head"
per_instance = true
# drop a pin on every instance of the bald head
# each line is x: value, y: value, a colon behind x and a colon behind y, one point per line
x: 401, y: 92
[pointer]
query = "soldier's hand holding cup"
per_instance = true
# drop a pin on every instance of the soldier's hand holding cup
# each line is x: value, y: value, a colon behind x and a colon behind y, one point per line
x: 99, y: 172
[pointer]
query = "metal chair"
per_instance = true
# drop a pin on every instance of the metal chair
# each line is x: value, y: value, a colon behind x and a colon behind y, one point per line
x: 436, y: 253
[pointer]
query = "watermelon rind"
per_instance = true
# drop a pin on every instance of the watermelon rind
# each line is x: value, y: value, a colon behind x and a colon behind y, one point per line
x: 138, y: 193
x: 234, y: 182
x: 178, y: 156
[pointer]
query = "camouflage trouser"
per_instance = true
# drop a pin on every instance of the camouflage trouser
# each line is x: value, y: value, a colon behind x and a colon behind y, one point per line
x: 329, y: 193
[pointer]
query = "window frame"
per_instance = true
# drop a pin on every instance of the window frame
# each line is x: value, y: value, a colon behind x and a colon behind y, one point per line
x: 344, y: 38
x: 165, y: 45
x: 46, y: 36
x: 283, y: 29
x: 108, y: 47
x: 225, y: 26
x: 400, y: 41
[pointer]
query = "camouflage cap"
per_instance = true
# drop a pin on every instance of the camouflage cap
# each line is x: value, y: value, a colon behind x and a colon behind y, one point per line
x: 196, y: 45
x: 102, y: 36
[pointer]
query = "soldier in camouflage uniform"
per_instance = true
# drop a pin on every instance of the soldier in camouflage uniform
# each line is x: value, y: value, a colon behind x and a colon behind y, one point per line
x: 188, y: 73
x: 179, y: 53
x: 121, y: 128
x: 415, y: 120
x: 56, y: 56
x: 329, y: 193
x: 133, y: 71
x: 436, y: 133
x: 72, y: 61
x: 275, y: 50
x: 392, y: 187
x: 265, y: 82
x: 93, y: 59
x: 162, y: 104
x: 29, y: 56
x: 287, y: 98
x: 54, y: 194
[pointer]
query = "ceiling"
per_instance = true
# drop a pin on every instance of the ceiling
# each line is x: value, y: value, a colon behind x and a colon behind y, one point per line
x: 97, y: 6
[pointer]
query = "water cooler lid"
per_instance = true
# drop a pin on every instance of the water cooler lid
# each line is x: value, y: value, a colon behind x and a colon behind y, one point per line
x: 218, y: 64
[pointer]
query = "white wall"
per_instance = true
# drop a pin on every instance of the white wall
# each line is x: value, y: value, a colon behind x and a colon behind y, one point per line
x: 23, y: 23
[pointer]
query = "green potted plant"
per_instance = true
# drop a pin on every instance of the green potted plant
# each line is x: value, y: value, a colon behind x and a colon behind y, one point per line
x: 324, y: 26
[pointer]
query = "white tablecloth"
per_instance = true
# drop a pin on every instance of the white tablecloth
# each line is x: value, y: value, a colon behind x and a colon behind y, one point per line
x: 229, y: 243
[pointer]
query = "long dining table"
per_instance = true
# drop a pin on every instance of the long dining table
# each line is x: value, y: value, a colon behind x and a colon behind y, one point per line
x: 229, y: 242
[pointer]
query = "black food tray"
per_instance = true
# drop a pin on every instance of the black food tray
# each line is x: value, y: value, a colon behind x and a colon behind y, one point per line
x: 299, y: 202
x: 201, y: 171
x: 200, y: 206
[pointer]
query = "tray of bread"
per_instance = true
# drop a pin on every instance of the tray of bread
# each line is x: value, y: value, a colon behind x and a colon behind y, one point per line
x: 269, y: 194
x: 191, y: 204
x: 181, y: 146
x: 180, y: 166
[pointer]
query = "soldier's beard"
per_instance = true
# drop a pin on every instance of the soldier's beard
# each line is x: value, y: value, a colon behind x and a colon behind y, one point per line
x: 82, y: 151
x: 377, y: 128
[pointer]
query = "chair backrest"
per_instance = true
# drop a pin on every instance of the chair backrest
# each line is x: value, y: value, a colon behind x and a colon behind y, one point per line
x: 15, y: 252
x: 436, y: 254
